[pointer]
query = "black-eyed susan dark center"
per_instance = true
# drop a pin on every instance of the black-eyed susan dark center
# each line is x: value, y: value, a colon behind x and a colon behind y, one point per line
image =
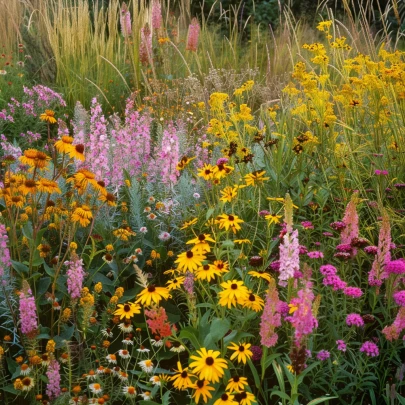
x: 234, y: 286
x: 209, y: 361
x: 151, y: 288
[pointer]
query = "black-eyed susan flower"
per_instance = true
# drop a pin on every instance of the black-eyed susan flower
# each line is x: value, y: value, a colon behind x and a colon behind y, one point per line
x: 226, y: 399
x: 83, y: 215
x: 28, y: 187
x: 221, y: 266
x: 184, y: 162
x: 44, y: 250
x: 48, y: 116
x: 182, y: 378
x: 152, y: 294
x: 256, y: 177
x: 201, y: 243
x: 206, y: 172
x: 189, y: 261
x: 109, y: 198
x: 208, y: 365
x: 175, y: 283
x: 127, y: 310
x: 64, y: 145
x: 234, y: 291
x: 229, y: 221
x: 77, y: 152
x: 202, y: 390
x: 245, y: 398
x: 253, y: 302
x: 228, y: 194
x: 48, y: 186
x: 15, y: 201
x: 260, y: 274
x: 241, y: 352
x: 207, y: 272
x: 187, y: 224
x: 237, y: 384
x: 273, y: 218
x: 221, y: 170
x: 83, y: 177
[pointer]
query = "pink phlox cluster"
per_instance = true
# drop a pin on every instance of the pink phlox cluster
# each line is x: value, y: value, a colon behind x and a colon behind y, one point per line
x: 5, y: 259
x: 353, y: 292
x: 378, y: 272
x: 125, y: 21
x: 193, y: 34
x: 6, y: 116
x: 354, y: 320
x: 271, y: 317
x: 44, y: 96
x: 75, y: 276
x: 302, y: 319
x: 399, y: 298
x: 315, y: 254
x: 393, y: 331
x: 370, y: 349
x: 8, y: 148
x: 28, y: 312
x: 330, y: 277
x: 157, y: 20
x: 53, y: 389
x: 289, y: 257
x: 323, y: 355
x: 341, y: 345
x: 395, y: 266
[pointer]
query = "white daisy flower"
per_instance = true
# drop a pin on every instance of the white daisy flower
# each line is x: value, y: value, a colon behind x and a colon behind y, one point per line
x: 96, y: 388
x: 125, y: 354
x: 107, y: 333
x: 143, y: 349
x: 143, y: 229
x: 129, y: 391
x: 155, y: 380
x: 157, y: 343
x: 123, y: 376
x: 147, y: 366
x: 112, y: 358
x: 127, y: 328
x: 127, y: 341
x: 25, y: 369
x: 146, y: 395
x: 177, y: 349
x: 164, y: 236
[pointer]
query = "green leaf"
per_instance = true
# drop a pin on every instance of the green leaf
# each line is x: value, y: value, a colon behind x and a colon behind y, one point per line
x: 401, y: 399
x: 320, y: 399
x: 27, y: 230
x: 43, y: 285
x: 281, y: 395
x: 209, y: 213
x: 19, y: 267
x: 219, y: 328
x: 49, y: 270
x: 10, y: 388
x: 166, y: 398
x: 255, y: 374
x: 11, y: 365
x: 190, y: 334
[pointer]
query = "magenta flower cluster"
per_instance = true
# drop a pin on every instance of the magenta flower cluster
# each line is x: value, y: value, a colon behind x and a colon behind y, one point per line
x: 370, y: 349
x: 53, y: 389
x: 28, y: 312
x: 354, y: 320
x: 323, y: 355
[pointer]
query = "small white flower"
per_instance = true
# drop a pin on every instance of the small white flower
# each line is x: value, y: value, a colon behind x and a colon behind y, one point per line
x: 95, y: 388
x: 107, y: 333
x: 129, y: 391
x: 155, y: 380
x: 196, y: 196
x: 147, y: 366
x: 146, y: 395
x: 127, y: 341
x: 125, y: 354
x: 143, y: 349
x: 100, y: 370
x: 151, y: 199
x: 177, y: 349
x: 112, y: 358
x: 138, y: 251
x: 123, y: 376
x: 116, y: 371
x: 156, y: 343
x: 3, y: 72
x: 164, y: 236
x: 127, y: 328
x: 25, y: 369
x: 91, y: 375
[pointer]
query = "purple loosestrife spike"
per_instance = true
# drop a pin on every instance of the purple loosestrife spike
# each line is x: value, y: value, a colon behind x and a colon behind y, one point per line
x: 4, y: 251
x: 145, y: 47
x: 75, y: 276
x: 377, y: 273
x: 193, y: 34
x: 351, y: 219
x: 393, y: 331
x: 271, y: 317
x: 53, y: 373
x: 189, y: 283
x: 125, y: 20
x: 28, y: 311
x: 156, y: 15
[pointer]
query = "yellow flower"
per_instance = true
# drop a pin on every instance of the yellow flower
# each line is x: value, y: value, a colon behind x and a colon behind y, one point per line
x: 184, y: 162
x: 189, y: 261
x: 261, y: 274
x: 175, y: 283
x: 293, y: 308
x: 234, y: 291
x: 152, y: 294
x: 44, y: 250
x: 255, y: 177
x: 189, y: 223
x: 34, y: 158
x: 324, y: 26
x: 64, y: 145
x: 127, y: 310
x: 245, y: 398
x: 242, y: 241
x: 226, y: 399
x: 241, y: 352
x: 82, y: 215
x: 236, y: 383
x: 272, y: 218
x: 222, y: 170
x: 48, y: 116
x: 228, y: 193
x: 201, y: 243
x: 77, y: 152
x: 98, y: 287
x: 229, y: 222
x: 28, y: 187
x: 48, y: 186
x: 208, y: 365
x: 253, y: 302
x: 182, y: 378
x: 109, y: 198
x: 206, y: 172
x: 207, y: 272
x: 109, y: 248
x: 50, y: 346
x: 202, y: 389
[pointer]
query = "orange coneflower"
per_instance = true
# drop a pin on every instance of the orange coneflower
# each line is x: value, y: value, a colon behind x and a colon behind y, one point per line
x: 77, y: 152
x: 48, y: 116
x: 64, y: 145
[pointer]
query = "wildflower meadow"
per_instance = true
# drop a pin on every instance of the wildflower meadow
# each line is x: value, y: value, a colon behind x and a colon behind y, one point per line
x: 202, y: 203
